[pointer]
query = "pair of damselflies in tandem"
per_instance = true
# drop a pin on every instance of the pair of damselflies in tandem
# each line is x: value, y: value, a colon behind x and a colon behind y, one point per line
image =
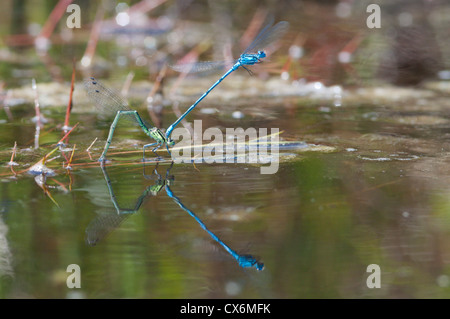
x: 106, y: 100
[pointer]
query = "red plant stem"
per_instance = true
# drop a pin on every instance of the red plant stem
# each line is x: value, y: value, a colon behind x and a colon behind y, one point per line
x: 254, y: 26
x: 287, y: 65
x: 353, y: 44
x: 145, y: 6
x: 69, y: 105
x: 38, y: 114
x: 55, y: 16
x: 13, y: 153
x: 158, y: 81
x: 60, y: 184
x: 12, y: 170
x: 299, y: 41
x: 67, y: 134
x: 151, y: 96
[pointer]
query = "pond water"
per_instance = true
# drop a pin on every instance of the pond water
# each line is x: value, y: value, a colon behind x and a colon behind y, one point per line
x: 316, y: 224
x: 362, y: 180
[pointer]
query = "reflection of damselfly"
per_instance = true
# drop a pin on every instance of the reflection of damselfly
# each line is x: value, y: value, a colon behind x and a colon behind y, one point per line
x: 107, y: 100
x: 106, y: 223
x: 245, y: 261
x: 103, y: 224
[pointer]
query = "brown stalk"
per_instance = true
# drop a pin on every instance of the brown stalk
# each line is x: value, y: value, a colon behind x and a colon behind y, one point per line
x: 89, y: 148
x: 58, y: 11
x: 70, y: 103
x: 38, y: 114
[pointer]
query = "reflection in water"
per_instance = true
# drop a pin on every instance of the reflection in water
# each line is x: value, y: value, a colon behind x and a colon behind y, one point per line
x: 106, y: 223
x: 103, y: 224
x: 245, y: 261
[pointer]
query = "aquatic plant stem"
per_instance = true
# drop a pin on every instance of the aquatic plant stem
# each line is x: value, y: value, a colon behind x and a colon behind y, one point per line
x: 93, y: 142
x: 38, y: 114
x: 70, y: 103
x: 58, y: 11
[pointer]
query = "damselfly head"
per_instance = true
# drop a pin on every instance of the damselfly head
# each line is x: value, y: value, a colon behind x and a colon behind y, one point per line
x: 248, y: 261
x: 261, y: 54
